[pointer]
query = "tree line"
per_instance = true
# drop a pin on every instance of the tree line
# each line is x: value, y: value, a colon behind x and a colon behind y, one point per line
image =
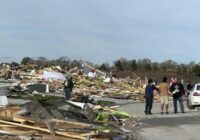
x: 121, y: 64
x: 146, y: 64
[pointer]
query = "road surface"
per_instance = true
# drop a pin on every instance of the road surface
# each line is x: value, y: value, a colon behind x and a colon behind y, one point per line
x: 180, y: 126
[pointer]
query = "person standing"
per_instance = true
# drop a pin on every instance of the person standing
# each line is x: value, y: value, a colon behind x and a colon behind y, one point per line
x: 189, y: 87
x: 177, y: 90
x: 172, y: 81
x: 68, y: 87
x: 164, y: 94
x: 188, y: 90
x: 149, y: 97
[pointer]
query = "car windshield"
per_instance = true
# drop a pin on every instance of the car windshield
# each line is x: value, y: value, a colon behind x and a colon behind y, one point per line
x: 198, y: 87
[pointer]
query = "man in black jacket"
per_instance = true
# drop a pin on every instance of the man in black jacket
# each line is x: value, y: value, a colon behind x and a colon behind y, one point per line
x: 177, y: 90
x: 149, y: 97
x: 68, y: 87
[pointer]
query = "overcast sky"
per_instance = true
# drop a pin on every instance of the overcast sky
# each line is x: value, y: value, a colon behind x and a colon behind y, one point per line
x: 100, y: 30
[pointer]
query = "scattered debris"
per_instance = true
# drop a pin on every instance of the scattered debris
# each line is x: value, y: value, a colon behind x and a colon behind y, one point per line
x: 47, y: 113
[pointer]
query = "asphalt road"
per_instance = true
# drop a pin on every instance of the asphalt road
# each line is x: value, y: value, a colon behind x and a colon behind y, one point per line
x: 180, y: 126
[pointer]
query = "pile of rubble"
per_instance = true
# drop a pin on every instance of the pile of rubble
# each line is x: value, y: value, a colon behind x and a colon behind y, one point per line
x: 60, y: 119
x: 83, y: 117
x: 50, y: 80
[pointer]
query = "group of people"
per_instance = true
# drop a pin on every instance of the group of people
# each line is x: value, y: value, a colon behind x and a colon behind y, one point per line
x: 175, y: 89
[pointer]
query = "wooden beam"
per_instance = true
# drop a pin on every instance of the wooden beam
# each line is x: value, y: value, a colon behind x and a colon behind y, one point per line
x: 71, y: 123
x: 50, y: 127
x: 22, y: 120
x: 44, y: 130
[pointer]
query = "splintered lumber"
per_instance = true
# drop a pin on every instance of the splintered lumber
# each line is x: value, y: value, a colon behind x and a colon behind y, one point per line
x: 50, y: 127
x: 20, y: 132
x: 22, y: 120
x: 17, y: 119
x: 44, y: 130
x: 93, y: 133
x: 5, y: 125
x: 9, y: 112
x: 109, y: 110
x: 71, y: 123
x: 98, y: 107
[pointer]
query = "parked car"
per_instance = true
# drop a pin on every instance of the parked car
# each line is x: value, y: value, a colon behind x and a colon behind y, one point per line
x: 194, y: 97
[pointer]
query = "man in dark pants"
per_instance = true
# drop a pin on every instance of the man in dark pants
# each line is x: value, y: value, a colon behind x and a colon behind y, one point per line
x: 177, y: 90
x: 189, y: 87
x: 149, y: 97
x: 68, y: 87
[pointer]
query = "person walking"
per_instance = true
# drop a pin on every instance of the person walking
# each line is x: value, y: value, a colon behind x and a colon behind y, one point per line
x: 149, y: 97
x: 177, y: 90
x: 164, y: 94
x: 68, y: 87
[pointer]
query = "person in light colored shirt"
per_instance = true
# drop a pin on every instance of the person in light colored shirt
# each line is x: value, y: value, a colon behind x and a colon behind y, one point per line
x: 164, y: 95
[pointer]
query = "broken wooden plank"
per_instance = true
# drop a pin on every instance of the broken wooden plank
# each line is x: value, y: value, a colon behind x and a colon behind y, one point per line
x: 50, y: 127
x: 93, y: 133
x: 20, y: 132
x: 71, y: 123
x: 22, y: 120
x: 6, y: 125
x: 17, y: 119
x: 43, y: 129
